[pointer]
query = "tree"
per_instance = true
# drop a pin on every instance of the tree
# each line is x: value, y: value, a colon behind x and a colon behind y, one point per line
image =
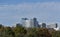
x: 43, y: 32
x: 1, y: 30
x: 31, y: 32
x: 9, y: 32
x: 56, y: 34
x: 19, y: 31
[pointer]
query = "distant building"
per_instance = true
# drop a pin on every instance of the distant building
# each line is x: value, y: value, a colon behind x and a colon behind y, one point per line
x: 56, y: 25
x: 43, y: 25
x: 30, y: 22
x: 40, y: 25
x: 52, y: 26
x: 35, y: 22
x: 23, y: 21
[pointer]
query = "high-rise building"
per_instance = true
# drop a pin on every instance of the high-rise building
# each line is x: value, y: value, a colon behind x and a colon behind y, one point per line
x: 56, y: 25
x: 35, y: 22
x: 27, y: 24
x: 30, y: 22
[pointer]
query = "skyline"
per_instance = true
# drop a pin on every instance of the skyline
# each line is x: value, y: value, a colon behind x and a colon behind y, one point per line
x: 11, y: 11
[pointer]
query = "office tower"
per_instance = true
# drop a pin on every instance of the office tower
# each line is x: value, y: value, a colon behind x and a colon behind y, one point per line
x: 35, y: 22
x: 29, y: 22
x: 56, y: 25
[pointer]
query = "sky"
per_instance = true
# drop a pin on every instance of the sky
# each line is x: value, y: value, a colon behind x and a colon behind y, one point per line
x: 47, y: 11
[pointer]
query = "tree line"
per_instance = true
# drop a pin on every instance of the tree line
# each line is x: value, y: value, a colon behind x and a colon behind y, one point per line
x: 20, y: 31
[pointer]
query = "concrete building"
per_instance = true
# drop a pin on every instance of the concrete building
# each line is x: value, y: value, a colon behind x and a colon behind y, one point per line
x: 28, y: 24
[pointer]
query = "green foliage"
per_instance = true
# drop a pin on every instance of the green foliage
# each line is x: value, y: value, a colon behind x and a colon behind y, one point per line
x: 20, y: 31
x: 43, y: 32
x: 9, y: 32
x: 56, y: 34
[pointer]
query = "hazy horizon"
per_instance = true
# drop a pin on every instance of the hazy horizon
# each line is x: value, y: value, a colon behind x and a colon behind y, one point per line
x: 11, y: 11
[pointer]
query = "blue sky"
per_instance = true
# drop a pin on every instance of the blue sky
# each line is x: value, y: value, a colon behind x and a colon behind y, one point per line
x: 11, y: 11
x: 26, y: 1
